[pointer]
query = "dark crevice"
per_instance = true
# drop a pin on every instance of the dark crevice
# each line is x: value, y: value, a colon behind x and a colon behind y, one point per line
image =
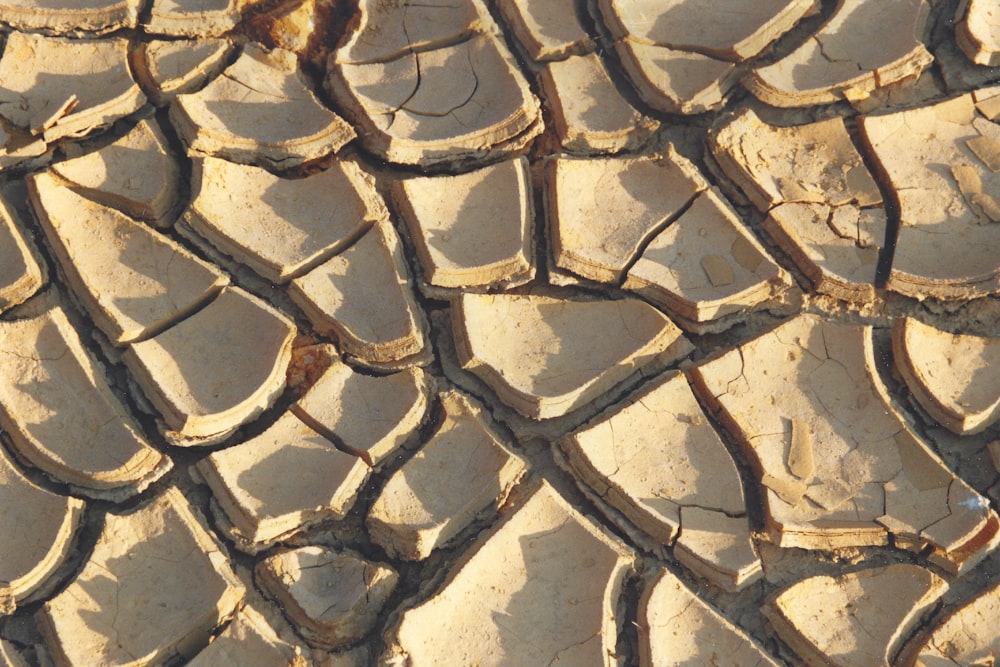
x: 890, y: 201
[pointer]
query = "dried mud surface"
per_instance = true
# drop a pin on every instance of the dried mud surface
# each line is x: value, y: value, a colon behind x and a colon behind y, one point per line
x: 526, y: 332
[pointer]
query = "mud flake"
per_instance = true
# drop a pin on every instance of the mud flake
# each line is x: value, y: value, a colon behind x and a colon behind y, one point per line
x: 192, y: 18
x: 21, y: 273
x: 657, y: 459
x: 953, y: 376
x: 855, y: 620
x: 454, y: 248
x: 31, y: 555
x: 967, y: 635
x: 167, y: 68
x: 61, y: 413
x: 332, y: 597
x: 60, y: 88
x: 118, y: 606
x: 280, y: 482
x: 215, y: 370
x: 461, y: 473
x: 136, y: 174
x: 281, y: 227
x: 461, y: 101
x: 545, y: 356
x: 866, y: 447
x: 369, y: 416
x: 546, y: 29
x: 364, y: 299
x: 977, y: 32
x: 156, y: 281
x: 850, y: 57
x: 955, y: 202
x: 676, y: 628
x: 236, y: 117
x: 725, y: 29
x: 679, y: 269
x: 602, y: 211
x: 249, y: 641
x: 591, y: 116
x: 555, y: 600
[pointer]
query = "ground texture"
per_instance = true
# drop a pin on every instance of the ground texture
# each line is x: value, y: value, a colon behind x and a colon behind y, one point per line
x: 526, y: 332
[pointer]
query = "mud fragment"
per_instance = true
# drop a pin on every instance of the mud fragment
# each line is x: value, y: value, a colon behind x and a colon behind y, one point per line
x: 369, y: 416
x: 454, y: 246
x: 556, y: 599
x: 260, y: 112
x: 363, y: 297
x: 56, y: 88
x: 724, y: 29
x: 656, y: 458
x: 249, y: 641
x: 546, y: 356
x: 216, y: 370
x: 280, y: 482
x: 118, y: 606
x: 133, y: 281
x: 977, y: 31
x: 62, y: 415
x: 192, y: 18
x: 601, y: 212
x: 676, y: 628
x: 858, y: 619
x: 908, y: 146
x: 282, y: 228
x: 967, y: 636
x: 68, y: 18
x: 682, y: 268
x: 955, y: 377
x: 547, y: 30
x: 333, y: 598
x: 675, y: 81
x: 863, y: 47
x: 590, y: 115
x: 137, y: 175
x: 463, y: 472
x: 20, y: 271
x: 167, y: 68
x: 37, y: 535
x: 873, y: 475
x: 436, y: 85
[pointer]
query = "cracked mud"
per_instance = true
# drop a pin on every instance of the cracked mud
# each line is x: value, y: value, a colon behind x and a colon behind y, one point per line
x: 527, y: 332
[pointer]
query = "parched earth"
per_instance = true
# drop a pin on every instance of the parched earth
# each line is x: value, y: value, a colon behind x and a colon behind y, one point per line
x: 528, y: 332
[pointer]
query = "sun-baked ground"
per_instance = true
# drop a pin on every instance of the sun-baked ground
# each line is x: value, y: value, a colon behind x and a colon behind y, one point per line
x: 526, y: 332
